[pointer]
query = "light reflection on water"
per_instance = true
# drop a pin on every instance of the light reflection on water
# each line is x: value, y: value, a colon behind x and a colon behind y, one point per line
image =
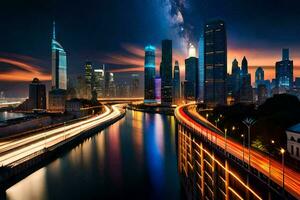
x: 133, y: 159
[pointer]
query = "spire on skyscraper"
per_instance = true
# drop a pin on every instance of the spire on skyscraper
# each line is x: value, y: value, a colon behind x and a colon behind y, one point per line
x: 53, y: 34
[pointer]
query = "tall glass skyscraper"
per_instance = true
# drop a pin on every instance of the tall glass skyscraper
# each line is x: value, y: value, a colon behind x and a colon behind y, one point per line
x: 284, y: 71
x: 176, y: 83
x: 89, y: 79
x: 149, y: 73
x: 59, y: 64
x: 191, y: 76
x: 215, y: 61
x: 166, y: 72
x: 201, y: 68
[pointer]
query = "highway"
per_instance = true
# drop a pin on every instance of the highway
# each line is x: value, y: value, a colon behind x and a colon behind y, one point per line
x: 16, y: 150
x: 188, y: 115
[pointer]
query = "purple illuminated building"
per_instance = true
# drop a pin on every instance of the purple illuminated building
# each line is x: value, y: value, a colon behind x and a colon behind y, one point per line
x: 158, y: 89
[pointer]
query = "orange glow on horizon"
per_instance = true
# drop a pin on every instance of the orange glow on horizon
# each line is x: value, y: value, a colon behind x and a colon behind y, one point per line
x: 25, y: 71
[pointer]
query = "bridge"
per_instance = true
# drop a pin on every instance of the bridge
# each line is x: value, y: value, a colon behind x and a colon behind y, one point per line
x: 212, y: 166
x: 120, y: 100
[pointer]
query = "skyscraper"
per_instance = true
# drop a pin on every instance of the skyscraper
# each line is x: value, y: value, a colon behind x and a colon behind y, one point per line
x: 244, y: 66
x: 259, y: 76
x: 149, y: 90
x: 176, y: 83
x: 135, y: 85
x: 284, y: 71
x: 191, y: 87
x: 246, y: 91
x: 37, y: 94
x: 215, y: 61
x: 201, y: 68
x: 88, y: 78
x: 59, y: 64
x: 166, y: 72
x: 99, y: 81
x: 235, y: 78
x: 158, y: 89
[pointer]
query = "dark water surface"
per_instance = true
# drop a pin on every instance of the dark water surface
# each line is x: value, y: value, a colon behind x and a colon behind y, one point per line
x: 134, y: 158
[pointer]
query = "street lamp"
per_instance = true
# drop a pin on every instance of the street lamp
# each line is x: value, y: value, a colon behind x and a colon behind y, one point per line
x: 217, y: 122
x: 243, y: 137
x: 282, y: 151
x: 249, y: 122
x: 269, y: 180
x: 225, y: 141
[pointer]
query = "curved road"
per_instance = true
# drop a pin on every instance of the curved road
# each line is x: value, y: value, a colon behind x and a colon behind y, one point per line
x: 188, y: 115
x: 14, y: 151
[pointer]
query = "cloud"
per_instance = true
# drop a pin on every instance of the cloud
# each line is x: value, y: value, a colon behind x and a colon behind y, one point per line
x: 20, y: 70
x: 132, y: 59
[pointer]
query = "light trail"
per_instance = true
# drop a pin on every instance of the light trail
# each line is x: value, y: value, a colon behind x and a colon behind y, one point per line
x: 19, y: 149
x: 188, y: 115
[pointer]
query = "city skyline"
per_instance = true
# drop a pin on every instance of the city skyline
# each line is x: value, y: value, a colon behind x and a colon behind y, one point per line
x: 25, y: 53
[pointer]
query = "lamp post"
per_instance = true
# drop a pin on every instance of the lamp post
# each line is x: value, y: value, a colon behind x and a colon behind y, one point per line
x: 282, y: 151
x: 249, y: 122
x: 225, y: 130
x: 243, y: 137
x: 269, y: 152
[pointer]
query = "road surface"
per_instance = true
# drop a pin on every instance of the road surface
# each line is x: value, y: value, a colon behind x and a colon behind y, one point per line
x: 16, y: 150
x: 258, y: 160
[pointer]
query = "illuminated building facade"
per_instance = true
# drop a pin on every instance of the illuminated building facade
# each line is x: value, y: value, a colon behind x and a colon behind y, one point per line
x: 191, y: 76
x: 149, y: 73
x: 166, y: 72
x: 158, y: 90
x: 176, y: 83
x: 99, y: 81
x: 215, y: 61
x: 259, y: 76
x: 88, y: 79
x: 59, y: 64
x: 201, y: 68
x: 37, y: 94
x: 284, y: 71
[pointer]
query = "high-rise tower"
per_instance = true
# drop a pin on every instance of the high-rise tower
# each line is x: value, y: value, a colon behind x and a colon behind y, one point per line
x: 176, y: 83
x: 191, y: 85
x: 201, y: 68
x: 59, y: 64
x: 215, y: 60
x: 149, y: 73
x: 166, y: 72
x: 284, y: 71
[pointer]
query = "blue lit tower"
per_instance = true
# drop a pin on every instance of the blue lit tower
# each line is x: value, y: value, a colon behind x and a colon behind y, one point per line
x: 284, y: 71
x: 215, y: 63
x: 149, y: 91
x: 59, y: 64
x: 201, y: 68
x: 166, y: 72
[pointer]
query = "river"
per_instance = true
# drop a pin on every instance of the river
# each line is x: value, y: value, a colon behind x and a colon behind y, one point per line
x: 135, y: 158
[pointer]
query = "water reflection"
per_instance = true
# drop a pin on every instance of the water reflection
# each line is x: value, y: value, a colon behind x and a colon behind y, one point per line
x: 133, y: 159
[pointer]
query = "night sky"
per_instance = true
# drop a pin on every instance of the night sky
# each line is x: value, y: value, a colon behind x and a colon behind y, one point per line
x: 115, y: 32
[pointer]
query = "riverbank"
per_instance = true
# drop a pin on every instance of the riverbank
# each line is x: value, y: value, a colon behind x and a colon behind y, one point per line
x: 48, y: 148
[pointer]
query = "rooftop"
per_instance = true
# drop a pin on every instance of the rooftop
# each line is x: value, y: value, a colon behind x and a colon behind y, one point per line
x: 295, y: 128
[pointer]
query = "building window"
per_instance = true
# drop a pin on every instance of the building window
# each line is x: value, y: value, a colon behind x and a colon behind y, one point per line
x: 292, y: 149
x: 298, y: 140
x: 297, y: 152
x: 293, y: 139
